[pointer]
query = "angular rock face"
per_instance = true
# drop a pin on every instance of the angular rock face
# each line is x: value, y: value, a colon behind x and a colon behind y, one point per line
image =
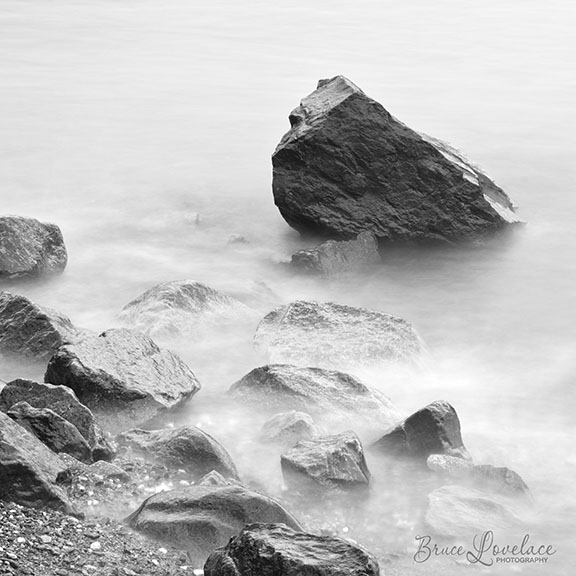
x: 333, y: 397
x: 288, y: 428
x: 30, y: 331
x: 52, y: 430
x: 434, y: 429
x: 202, y: 518
x: 275, y: 549
x: 330, y: 462
x: 29, y: 470
x: 30, y: 248
x: 187, y: 448
x: 123, y: 377
x: 176, y: 308
x: 333, y: 257
x: 348, y: 166
x: 334, y: 336
x: 62, y: 401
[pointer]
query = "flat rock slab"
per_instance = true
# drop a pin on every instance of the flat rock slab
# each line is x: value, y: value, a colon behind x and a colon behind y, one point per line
x: 330, y: 462
x: 186, y: 447
x: 31, y: 331
x: 123, y: 377
x: 277, y: 550
x: 199, y: 519
x: 348, y: 166
x: 29, y: 470
x: 30, y: 248
x: 334, y: 336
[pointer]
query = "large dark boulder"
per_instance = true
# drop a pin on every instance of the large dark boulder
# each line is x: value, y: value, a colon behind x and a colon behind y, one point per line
x: 335, y: 336
x: 62, y: 401
x: 52, y: 430
x: 30, y: 248
x: 180, y: 308
x: 336, y: 399
x: 123, y: 377
x: 186, y: 447
x: 330, y: 462
x: 277, y: 550
x: 334, y: 257
x: 435, y: 429
x: 348, y: 166
x: 199, y: 519
x: 31, y: 331
x: 29, y: 471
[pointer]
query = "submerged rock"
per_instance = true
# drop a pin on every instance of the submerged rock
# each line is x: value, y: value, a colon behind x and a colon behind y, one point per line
x: 288, y: 428
x: 435, y: 429
x: 278, y: 550
x: 348, y: 166
x: 329, y: 462
x: 335, y: 398
x: 30, y: 248
x: 199, y: 519
x: 334, y: 257
x: 335, y: 336
x: 29, y: 471
x: 181, y: 307
x: 187, y: 448
x: 62, y: 401
x: 123, y: 377
x: 31, y: 331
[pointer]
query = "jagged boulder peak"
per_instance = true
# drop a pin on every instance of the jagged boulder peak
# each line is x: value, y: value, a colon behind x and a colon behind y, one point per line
x: 199, y: 519
x: 331, y: 462
x: 179, y: 308
x: 336, y: 399
x: 186, y: 447
x: 333, y: 257
x: 30, y: 248
x: 29, y: 471
x: 335, y: 336
x: 123, y: 377
x: 62, y: 401
x: 31, y: 331
x: 435, y: 429
x: 277, y: 550
x: 288, y: 428
x: 348, y: 166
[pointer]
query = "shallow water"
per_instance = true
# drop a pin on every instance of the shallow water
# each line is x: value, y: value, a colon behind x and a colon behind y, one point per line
x: 145, y: 129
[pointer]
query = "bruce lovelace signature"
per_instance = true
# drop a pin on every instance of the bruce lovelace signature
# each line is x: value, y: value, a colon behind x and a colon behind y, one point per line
x: 486, y: 551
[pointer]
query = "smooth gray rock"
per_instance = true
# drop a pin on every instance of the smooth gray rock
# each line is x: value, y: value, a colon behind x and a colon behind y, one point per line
x: 29, y: 471
x: 199, y: 519
x: 330, y: 462
x: 30, y: 248
x: 123, y: 377
x: 435, y: 429
x: 277, y: 550
x: 31, y: 331
x: 62, y: 401
x: 334, y: 257
x: 180, y: 308
x: 348, y: 166
x: 334, y: 336
x: 186, y: 447
x: 287, y: 428
x: 335, y: 399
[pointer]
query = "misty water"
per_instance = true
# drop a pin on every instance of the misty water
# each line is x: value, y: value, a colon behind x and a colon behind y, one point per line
x: 145, y: 130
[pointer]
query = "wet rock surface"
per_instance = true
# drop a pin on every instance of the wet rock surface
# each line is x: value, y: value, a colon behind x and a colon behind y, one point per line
x: 334, y: 336
x: 287, y: 428
x: 348, y: 166
x: 275, y: 549
x: 123, y: 377
x: 186, y: 447
x: 332, y: 257
x: 31, y: 331
x: 30, y: 248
